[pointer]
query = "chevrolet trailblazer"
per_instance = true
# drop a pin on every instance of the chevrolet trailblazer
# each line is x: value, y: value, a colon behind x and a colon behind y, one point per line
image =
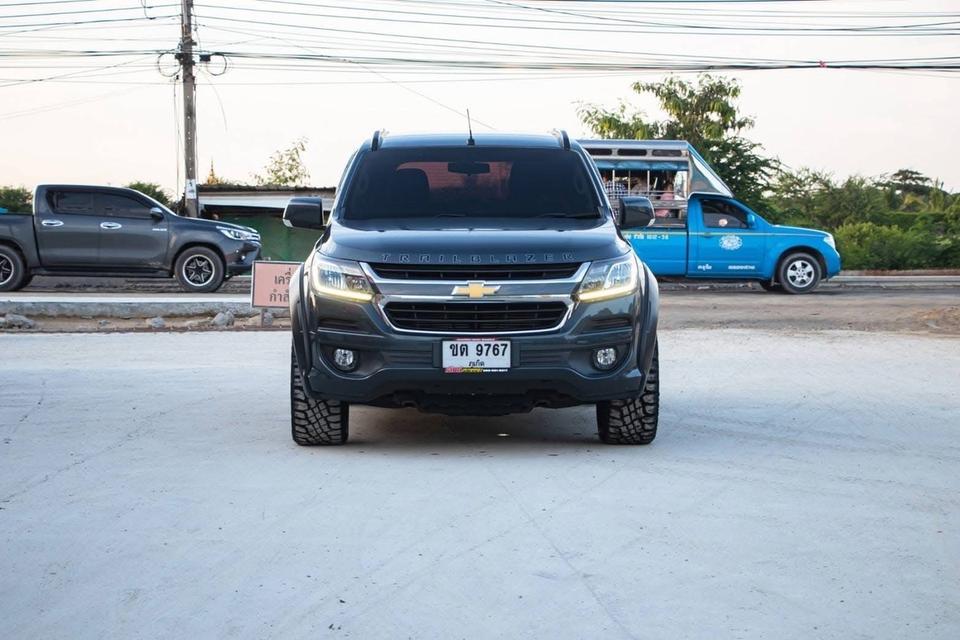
x: 479, y: 275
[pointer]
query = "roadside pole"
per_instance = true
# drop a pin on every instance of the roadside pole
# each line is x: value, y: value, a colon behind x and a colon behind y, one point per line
x: 189, y: 109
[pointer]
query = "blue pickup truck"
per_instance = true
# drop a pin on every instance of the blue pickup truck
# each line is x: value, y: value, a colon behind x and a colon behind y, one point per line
x: 697, y: 228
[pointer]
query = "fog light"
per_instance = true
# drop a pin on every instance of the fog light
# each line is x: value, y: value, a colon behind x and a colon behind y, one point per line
x: 345, y: 359
x: 605, y: 358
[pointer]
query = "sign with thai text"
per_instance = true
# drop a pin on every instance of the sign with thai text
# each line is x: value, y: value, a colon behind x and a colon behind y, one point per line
x: 271, y: 284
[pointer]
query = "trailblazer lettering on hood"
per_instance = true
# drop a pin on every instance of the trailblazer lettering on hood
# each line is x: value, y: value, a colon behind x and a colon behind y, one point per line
x: 508, y: 258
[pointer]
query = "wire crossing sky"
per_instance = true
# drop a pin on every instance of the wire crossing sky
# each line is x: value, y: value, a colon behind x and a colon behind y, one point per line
x: 516, y: 63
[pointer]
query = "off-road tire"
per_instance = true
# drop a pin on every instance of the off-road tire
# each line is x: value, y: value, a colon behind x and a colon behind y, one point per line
x: 315, y: 422
x: 199, y: 256
x: 13, y: 270
x: 633, y: 420
x: 809, y: 264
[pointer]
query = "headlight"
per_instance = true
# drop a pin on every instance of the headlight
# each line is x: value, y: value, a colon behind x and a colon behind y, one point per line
x: 610, y: 279
x: 339, y: 279
x: 238, y: 234
x: 830, y: 241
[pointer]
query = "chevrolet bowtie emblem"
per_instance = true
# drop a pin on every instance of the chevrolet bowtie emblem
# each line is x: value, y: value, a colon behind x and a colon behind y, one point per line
x: 475, y: 290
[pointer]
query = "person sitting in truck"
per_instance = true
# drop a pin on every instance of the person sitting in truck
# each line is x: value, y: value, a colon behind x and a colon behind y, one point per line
x: 666, y: 194
x: 615, y: 190
x: 639, y: 186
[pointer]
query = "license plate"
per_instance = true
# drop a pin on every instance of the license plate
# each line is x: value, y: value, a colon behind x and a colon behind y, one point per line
x: 480, y: 355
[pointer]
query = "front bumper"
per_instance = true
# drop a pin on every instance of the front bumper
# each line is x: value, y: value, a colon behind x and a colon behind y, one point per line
x: 551, y: 369
x: 241, y: 259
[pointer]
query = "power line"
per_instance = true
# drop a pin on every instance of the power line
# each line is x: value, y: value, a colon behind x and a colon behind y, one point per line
x: 53, y: 14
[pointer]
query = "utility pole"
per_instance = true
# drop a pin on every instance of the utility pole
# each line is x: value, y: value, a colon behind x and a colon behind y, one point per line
x: 189, y: 109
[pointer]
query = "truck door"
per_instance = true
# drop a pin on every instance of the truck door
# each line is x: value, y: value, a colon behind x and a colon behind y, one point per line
x: 68, y: 229
x: 724, y: 244
x: 662, y: 245
x: 130, y: 237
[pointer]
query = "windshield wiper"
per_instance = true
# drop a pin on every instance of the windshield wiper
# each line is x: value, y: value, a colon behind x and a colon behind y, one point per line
x: 568, y: 215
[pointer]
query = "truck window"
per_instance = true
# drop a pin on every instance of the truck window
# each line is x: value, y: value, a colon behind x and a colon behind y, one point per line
x: 720, y: 214
x: 477, y: 182
x: 120, y: 206
x: 71, y: 202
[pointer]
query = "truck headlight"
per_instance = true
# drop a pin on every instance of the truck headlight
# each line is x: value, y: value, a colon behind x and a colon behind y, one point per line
x: 238, y: 234
x: 610, y: 279
x: 830, y: 241
x: 339, y: 279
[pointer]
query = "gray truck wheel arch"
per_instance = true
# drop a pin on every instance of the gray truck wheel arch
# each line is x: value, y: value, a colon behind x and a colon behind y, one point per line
x: 193, y: 245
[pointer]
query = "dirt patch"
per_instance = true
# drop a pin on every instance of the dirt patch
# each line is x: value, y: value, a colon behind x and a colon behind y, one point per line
x: 930, y: 311
x: 940, y: 320
x: 934, y: 311
x: 62, y: 324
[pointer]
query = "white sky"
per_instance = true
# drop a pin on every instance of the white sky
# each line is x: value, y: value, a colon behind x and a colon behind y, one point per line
x: 96, y: 130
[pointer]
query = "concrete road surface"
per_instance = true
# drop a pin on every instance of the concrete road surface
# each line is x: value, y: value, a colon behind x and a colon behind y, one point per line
x: 802, y: 486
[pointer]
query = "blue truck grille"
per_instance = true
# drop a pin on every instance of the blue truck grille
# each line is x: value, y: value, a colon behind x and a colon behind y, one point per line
x: 475, y: 317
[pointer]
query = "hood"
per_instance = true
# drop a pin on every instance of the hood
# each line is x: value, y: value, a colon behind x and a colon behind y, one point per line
x: 213, y: 224
x: 490, y: 241
x: 800, y: 230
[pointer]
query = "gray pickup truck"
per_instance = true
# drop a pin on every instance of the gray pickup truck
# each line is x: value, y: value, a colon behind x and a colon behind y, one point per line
x: 109, y: 231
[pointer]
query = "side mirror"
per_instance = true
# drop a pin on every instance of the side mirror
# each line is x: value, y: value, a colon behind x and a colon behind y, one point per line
x: 304, y: 213
x: 751, y: 221
x: 156, y: 213
x: 636, y: 212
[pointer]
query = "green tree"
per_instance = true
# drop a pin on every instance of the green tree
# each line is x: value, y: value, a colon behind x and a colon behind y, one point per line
x: 286, y: 167
x: 866, y: 245
x: 796, y: 197
x: 153, y: 190
x: 909, y: 181
x: 704, y: 114
x: 16, y: 199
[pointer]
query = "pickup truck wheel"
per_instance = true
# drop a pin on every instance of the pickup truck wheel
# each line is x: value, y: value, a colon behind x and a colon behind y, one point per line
x: 315, y: 422
x: 799, y: 273
x: 634, y: 420
x: 199, y: 270
x: 13, y: 270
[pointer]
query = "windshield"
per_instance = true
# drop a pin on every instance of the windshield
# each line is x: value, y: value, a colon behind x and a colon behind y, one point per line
x: 473, y: 182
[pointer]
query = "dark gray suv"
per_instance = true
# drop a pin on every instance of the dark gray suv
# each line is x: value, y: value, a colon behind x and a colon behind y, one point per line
x: 481, y: 276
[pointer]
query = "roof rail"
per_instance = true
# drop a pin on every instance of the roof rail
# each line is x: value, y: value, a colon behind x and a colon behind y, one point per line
x: 562, y: 137
x: 377, y: 139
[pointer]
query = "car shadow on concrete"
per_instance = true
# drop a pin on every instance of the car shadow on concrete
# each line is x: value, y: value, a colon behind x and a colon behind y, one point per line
x: 413, y: 431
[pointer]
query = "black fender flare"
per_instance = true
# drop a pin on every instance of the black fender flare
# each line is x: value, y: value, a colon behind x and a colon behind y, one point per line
x: 298, y: 323
x: 651, y: 316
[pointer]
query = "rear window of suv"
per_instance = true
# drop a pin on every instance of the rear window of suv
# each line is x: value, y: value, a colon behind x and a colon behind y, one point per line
x: 476, y: 182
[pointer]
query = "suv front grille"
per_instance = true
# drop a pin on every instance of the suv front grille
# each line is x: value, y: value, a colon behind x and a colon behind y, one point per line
x: 558, y: 271
x: 475, y: 317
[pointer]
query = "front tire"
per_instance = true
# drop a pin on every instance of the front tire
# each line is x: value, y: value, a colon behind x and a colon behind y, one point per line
x: 633, y: 420
x: 13, y: 270
x: 315, y: 422
x: 199, y: 270
x: 799, y: 273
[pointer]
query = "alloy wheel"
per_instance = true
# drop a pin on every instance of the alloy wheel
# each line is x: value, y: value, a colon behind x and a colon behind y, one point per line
x: 800, y: 273
x: 198, y: 271
x: 6, y: 270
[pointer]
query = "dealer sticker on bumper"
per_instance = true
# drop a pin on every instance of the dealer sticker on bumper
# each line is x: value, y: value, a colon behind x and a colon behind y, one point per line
x: 476, y: 355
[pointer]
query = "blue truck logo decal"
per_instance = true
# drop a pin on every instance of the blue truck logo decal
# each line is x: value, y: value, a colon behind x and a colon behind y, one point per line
x: 730, y: 243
